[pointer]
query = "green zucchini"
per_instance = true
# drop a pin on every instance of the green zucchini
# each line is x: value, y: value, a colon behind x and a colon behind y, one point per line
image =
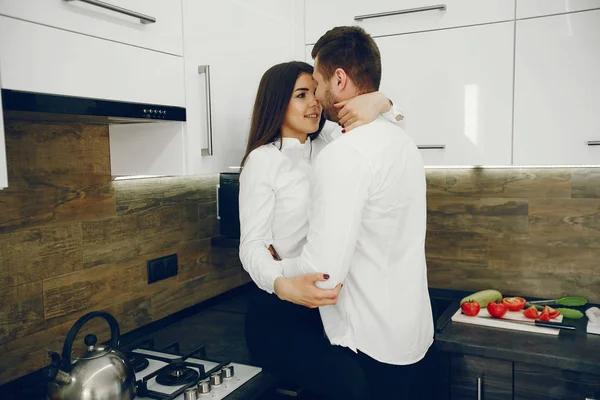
x: 484, y: 297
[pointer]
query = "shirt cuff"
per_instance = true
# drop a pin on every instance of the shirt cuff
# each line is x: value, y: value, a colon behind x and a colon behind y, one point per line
x: 291, y: 267
x: 268, y: 281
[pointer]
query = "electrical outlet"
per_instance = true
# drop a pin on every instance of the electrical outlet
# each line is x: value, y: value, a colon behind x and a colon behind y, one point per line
x: 162, y: 268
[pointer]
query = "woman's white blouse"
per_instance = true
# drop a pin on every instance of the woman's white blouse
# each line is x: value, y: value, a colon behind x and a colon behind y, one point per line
x: 274, y: 195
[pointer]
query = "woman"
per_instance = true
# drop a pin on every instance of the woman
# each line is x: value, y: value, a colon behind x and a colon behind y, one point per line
x: 286, y: 337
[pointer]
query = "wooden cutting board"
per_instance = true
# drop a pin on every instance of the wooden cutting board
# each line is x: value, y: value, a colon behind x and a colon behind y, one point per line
x: 483, y: 319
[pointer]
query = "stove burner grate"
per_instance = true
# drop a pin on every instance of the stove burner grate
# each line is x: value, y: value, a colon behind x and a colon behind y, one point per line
x: 176, y: 374
x: 138, y: 362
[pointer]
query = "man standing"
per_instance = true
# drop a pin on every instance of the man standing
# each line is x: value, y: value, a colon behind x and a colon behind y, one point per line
x: 367, y: 225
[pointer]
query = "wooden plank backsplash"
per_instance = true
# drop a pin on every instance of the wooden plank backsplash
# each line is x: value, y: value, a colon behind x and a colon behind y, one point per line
x: 533, y: 232
x: 72, y: 240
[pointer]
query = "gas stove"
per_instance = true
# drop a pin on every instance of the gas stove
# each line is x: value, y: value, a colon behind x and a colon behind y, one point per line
x: 167, y: 374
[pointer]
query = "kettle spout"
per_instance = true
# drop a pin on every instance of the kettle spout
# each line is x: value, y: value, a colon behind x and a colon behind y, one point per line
x: 54, y: 372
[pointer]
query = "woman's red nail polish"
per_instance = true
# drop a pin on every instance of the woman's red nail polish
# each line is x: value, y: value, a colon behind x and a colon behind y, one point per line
x: 326, y: 276
x: 343, y: 131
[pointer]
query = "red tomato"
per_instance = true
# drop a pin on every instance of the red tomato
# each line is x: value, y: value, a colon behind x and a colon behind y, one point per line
x: 553, y: 313
x: 514, y: 303
x: 545, y: 315
x: 497, y: 310
x: 470, y: 308
x: 531, y: 312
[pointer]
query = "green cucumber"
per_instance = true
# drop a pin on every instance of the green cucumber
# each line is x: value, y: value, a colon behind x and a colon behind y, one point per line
x: 570, y: 313
x: 484, y: 297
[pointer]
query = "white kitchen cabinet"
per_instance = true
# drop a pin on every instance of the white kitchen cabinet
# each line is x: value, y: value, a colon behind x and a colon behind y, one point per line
x: 3, y: 165
x: 163, y: 35
x: 239, y: 41
x: 557, y: 90
x: 537, y: 8
x: 388, y: 17
x: 41, y: 59
x: 455, y: 90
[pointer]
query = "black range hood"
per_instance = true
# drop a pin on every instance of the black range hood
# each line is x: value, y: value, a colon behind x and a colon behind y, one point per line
x: 114, y: 111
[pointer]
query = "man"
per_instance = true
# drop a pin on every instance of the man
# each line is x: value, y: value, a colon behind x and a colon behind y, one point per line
x: 367, y: 225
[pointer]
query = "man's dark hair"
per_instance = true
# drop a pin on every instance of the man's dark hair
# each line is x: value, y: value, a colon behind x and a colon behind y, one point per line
x: 353, y: 50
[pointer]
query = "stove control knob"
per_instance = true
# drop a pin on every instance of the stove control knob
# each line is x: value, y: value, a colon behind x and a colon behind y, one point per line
x: 190, y: 394
x: 227, y: 371
x: 216, y: 379
x: 204, y: 387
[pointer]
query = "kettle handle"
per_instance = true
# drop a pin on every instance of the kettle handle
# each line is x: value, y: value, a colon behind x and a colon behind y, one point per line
x: 68, y: 346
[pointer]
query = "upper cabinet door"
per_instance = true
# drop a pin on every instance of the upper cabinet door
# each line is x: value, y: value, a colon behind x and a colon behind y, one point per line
x: 388, y: 17
x: 38, y: 58
x: 238, y: 41
x: 455, y: 89
x: 557, y: 90
x: 537, y: 8
x: 117, y: 25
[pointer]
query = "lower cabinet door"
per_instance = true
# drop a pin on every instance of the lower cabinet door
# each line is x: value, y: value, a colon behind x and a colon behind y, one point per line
x: 534, y: 382
x: 473, y: 377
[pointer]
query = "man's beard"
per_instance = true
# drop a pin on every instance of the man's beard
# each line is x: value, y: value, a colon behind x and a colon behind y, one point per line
x: 329, y: 110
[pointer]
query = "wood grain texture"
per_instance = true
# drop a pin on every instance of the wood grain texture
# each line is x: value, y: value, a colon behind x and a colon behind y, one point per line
x: 586, y: 183
x: 496, y: 376
x: 526, y: 283
x: 542, y: 254
x: 29, y: 353
x: 499, y: 183
x: 21, y: 311
x: 533, y: 382
x: 69, y: 296
x: 466, y: 249
x: 56, y: 173
x: 133, y: 236
x: 72, y: 241
x: 38, y: 253
x: 491, y: 217
x: 147, y: 194
x: 572, y: 217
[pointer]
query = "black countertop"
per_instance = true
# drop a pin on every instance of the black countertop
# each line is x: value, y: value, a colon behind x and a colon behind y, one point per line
x: 575, y: 351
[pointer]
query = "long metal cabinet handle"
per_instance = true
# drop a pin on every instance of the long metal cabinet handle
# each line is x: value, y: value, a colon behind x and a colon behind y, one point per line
x: 208, y: 151
x: 218, y: 212
x: 144, y: 19
x: 440, y: 7
x: 431, y: 147
x: 594, y: 143
x: 479, y: 387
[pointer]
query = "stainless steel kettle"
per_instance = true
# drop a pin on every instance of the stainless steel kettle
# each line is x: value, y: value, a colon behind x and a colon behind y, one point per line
x: 102, y: 373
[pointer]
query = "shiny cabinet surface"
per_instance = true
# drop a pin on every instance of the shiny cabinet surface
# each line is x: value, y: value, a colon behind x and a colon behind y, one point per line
x: 557, y: 90
x: 238, y: 41
x: 157, y: 26
x: 538, y: 8
x: 391, y: 17
x: 455, y: 89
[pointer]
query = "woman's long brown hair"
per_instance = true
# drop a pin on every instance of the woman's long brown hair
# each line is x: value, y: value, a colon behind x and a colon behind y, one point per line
x: 272, y: 99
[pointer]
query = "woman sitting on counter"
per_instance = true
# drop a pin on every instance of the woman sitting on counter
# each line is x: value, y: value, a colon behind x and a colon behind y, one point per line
x: 284, y: 331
